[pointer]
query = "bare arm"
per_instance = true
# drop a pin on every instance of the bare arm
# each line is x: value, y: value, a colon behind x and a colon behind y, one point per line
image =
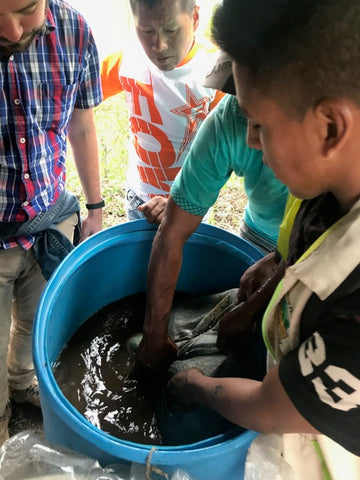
x: 82, y: 137
x: 156, y: 351
x: 261, y: 406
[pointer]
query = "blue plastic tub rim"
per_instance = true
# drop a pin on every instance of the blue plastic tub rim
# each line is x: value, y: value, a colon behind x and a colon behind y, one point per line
x: 250, y: 250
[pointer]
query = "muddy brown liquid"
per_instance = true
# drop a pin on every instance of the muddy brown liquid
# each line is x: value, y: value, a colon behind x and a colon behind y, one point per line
x: 95, y: 373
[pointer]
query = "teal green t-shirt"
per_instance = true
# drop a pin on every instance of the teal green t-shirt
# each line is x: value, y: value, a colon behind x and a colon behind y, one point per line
x: 219, y: 149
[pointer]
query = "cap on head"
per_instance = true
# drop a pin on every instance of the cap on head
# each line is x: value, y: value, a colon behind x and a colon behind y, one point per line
x: 220, y: 77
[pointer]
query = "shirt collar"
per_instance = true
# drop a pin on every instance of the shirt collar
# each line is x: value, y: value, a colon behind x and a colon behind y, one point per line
x: 50, y: 25
x: 191, y: 53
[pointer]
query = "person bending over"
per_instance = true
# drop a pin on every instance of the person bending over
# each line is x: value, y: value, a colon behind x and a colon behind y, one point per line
x: 162, y: 74
x: 296, y: 70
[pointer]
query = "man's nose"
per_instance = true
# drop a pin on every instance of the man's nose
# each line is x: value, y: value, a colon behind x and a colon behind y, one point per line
x: 160, y: 42
x: 253, y: 136
x: 11, y: 29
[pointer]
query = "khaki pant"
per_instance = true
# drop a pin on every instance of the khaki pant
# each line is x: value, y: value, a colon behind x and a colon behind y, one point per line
x: 21, y: 284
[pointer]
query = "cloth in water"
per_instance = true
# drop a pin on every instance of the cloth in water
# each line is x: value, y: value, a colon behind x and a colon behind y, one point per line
x: 193, y: 325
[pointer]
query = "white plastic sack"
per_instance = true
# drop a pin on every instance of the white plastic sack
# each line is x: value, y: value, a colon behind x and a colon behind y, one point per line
x: 29, y: 456
x: 265, y: 460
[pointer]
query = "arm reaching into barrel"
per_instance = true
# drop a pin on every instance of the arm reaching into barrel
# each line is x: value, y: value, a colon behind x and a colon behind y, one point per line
x: 156, y: 350
x: 261, y: 406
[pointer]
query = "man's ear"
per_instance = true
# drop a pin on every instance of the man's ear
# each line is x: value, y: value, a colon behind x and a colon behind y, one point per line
x: 336, y: 119
x: 196, y: 17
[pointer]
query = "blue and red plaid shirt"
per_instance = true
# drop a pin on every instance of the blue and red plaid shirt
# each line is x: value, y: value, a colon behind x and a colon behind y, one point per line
x: 39, y: 89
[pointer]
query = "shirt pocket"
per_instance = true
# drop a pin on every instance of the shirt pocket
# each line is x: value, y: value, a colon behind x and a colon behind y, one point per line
x: 51, y: 107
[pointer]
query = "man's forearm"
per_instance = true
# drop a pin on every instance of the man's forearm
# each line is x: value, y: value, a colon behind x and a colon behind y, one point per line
x: 82, y: 136
x: 163, y: 272
x: 261, y: 406
x: 157, y: 350
x: 165, y: 264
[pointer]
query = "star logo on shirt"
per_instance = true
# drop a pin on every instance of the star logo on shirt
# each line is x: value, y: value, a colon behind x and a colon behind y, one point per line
x: 195, y: 110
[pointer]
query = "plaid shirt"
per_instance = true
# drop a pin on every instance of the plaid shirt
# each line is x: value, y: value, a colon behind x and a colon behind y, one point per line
x: 39, y: 89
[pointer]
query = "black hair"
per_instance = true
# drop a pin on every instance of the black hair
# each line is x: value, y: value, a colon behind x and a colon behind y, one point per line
x: 298, y: 52
x: 187, y: 5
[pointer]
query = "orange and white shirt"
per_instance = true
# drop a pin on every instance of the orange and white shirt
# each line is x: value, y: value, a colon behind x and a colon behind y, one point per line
x: 166, y: 108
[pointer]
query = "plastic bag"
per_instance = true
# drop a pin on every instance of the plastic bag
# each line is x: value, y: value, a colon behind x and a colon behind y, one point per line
x: 265, y: 461
x: 29, y: 456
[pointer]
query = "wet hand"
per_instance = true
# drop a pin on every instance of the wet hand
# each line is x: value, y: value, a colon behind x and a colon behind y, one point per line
x: 257, y: 275
x: 235, y: 328
x: 155, y: 355
x: 182, y: 386
x: 256, y: 288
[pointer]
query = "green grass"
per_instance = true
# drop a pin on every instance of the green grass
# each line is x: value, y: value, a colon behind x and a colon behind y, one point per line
x: 112, y: 130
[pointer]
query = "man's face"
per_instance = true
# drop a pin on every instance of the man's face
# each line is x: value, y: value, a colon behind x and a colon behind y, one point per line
x: 165, y: 32
x: 291, y: 147
x: 20, y: 22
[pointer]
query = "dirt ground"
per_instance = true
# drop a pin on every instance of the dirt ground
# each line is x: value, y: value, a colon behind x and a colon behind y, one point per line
x: 25, y: 417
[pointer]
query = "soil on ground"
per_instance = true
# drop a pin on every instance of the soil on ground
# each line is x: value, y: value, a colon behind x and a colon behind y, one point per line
x: 25, y: 416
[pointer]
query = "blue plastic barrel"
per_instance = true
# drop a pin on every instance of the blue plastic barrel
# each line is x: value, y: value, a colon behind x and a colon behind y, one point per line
x: 107, y: 267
